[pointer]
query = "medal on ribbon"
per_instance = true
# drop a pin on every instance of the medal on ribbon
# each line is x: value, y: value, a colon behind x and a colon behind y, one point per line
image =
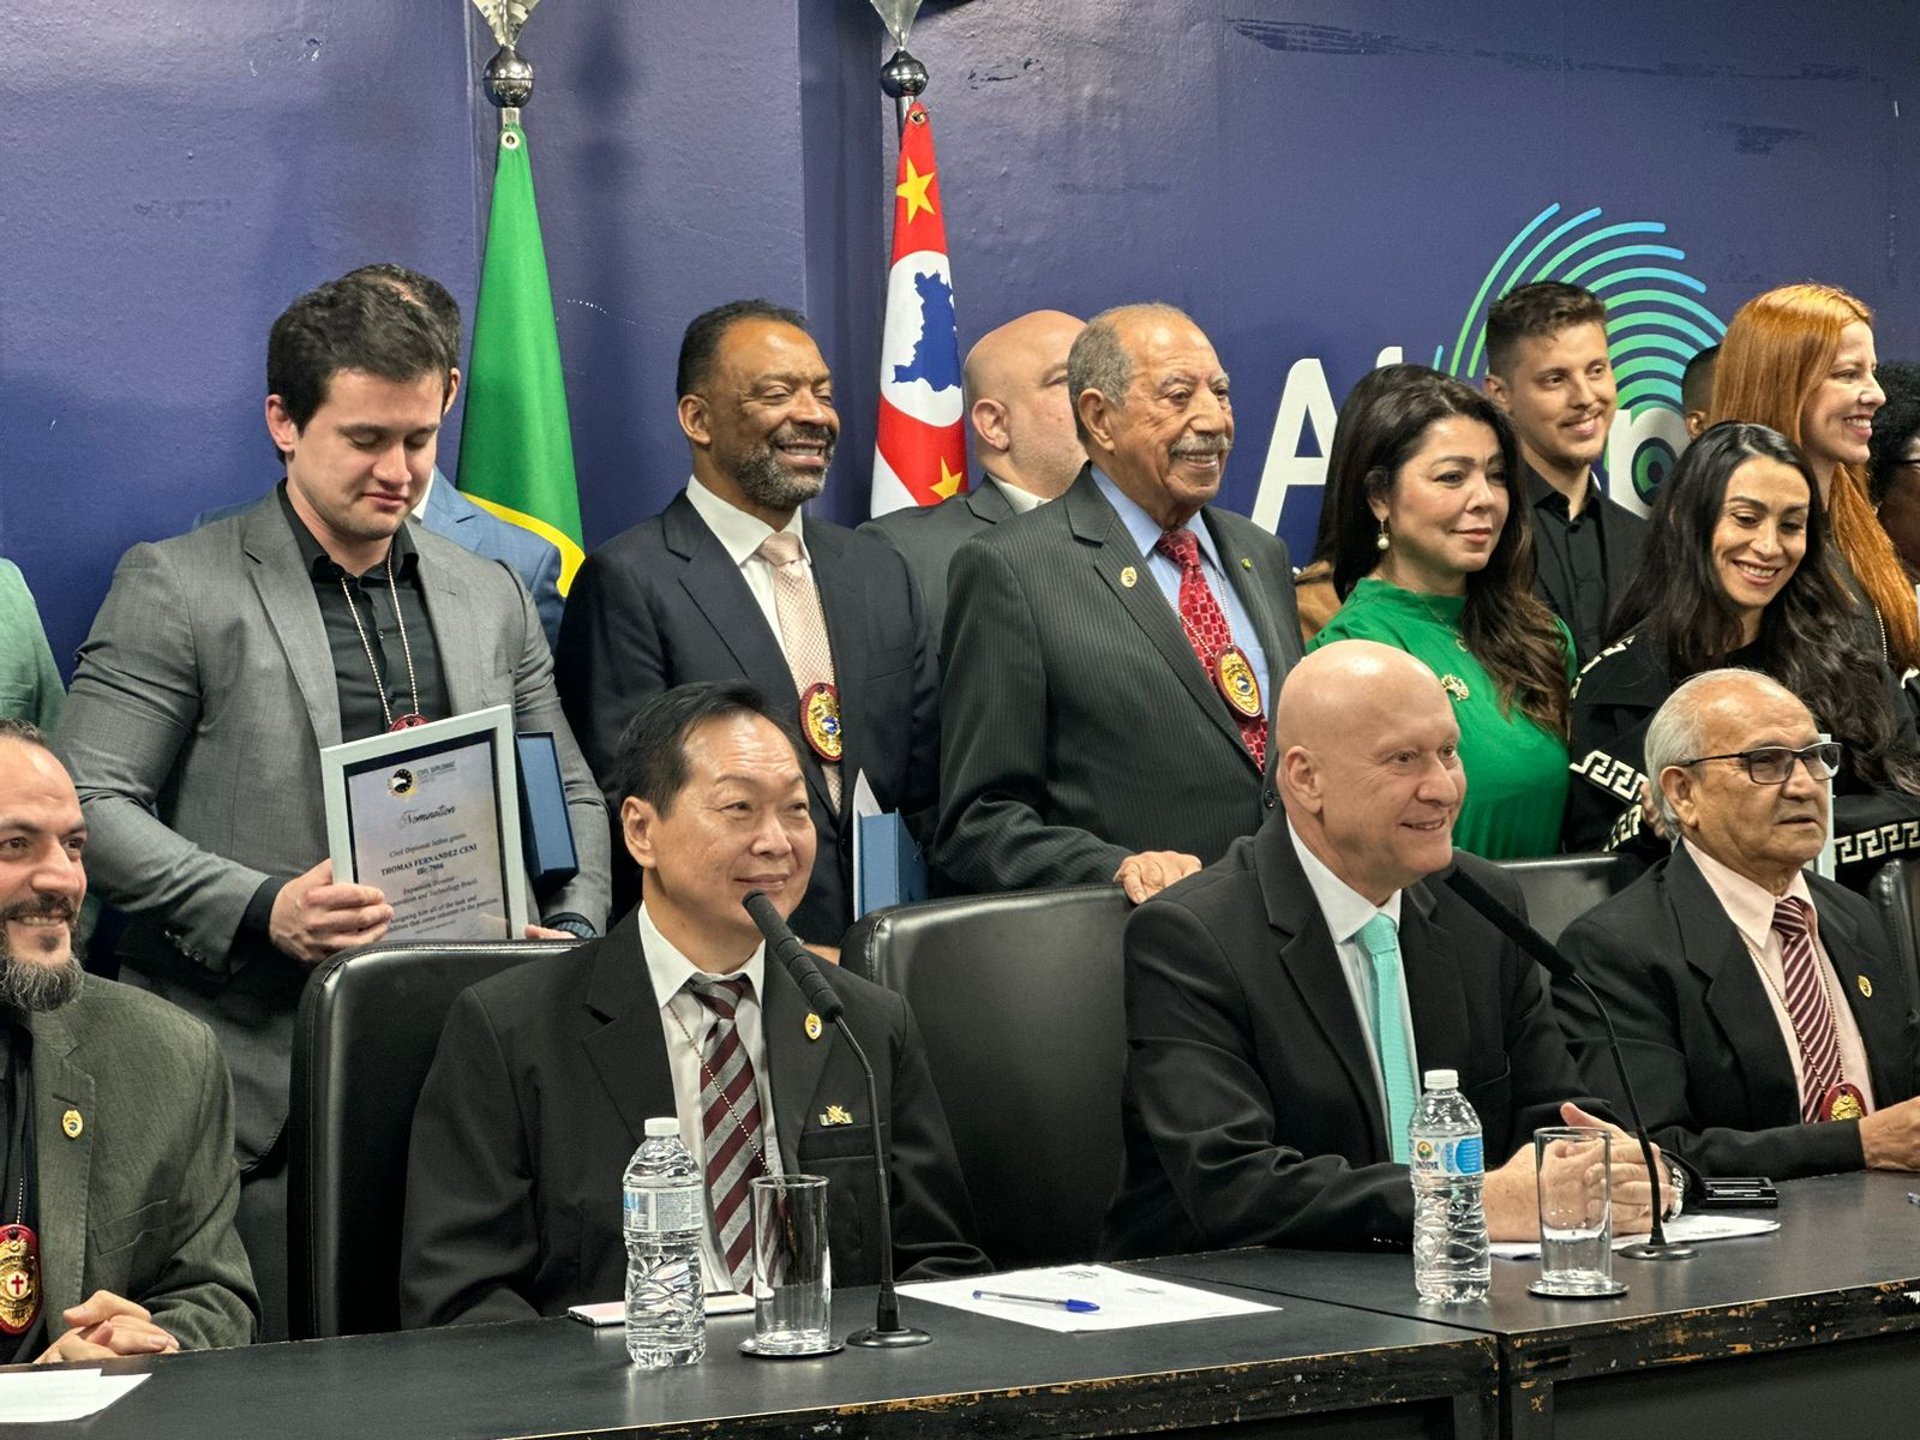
x: 19, y: 1278
x: 820, y: 721
x: 1233, y: 676
x: 1843, y: 1102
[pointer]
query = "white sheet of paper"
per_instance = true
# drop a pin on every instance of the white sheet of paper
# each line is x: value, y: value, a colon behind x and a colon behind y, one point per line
x: 1691, y: 1228
x: 30, y: 1397
x: 865, y: 802
x: 1125, y: 1300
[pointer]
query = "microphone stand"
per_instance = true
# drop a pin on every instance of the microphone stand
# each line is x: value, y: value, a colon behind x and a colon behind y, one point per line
x: 886, y: 1332
x: 1656, y: 1246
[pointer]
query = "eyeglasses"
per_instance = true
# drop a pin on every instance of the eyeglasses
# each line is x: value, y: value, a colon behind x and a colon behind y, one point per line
x: 1773, y: 764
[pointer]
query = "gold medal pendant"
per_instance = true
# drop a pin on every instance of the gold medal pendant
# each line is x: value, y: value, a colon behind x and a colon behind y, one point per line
x: 1234, y: 677
x: 1843, y: 1102
x: 19, y: 1278
x: 820, y: 721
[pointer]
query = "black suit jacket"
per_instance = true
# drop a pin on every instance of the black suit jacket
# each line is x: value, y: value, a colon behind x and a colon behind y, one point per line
x: 928, y: 537
x: 540, y: 1094
x: 1706, y: 1057
x: 1251, y: 1113
x: 1078, y: 726
x: 663, y: 603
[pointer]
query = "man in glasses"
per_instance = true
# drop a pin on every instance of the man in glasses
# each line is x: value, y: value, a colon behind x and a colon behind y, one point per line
x: 1765, y: 1018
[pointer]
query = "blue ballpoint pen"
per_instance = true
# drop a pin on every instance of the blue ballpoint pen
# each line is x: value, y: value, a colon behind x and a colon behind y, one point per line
x: 1076, y: 1307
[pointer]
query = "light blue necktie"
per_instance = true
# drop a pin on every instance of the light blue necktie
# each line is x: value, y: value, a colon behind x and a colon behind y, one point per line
x: 1382, y: 942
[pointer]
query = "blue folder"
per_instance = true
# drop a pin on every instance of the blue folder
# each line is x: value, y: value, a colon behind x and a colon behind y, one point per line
x: 546, y: 830
x: 892, y: 870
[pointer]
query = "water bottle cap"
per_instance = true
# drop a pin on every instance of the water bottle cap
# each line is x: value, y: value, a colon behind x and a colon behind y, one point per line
x: 662, y: 1127
x: 1443, y: 1080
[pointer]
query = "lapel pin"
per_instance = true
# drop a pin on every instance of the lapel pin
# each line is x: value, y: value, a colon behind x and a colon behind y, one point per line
x: 1866, y: 986
x: 71, y: 1124
x: 836, y: 1115
x: 814, y: 1027
x: 1245, y: 563
x: 1129, y: 577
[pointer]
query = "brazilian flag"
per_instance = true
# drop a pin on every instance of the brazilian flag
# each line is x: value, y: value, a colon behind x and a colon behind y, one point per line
x: 516, y: 452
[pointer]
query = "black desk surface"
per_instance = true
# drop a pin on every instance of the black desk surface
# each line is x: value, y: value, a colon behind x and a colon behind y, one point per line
x: 980, y: 1376
x: 1843, y: 1267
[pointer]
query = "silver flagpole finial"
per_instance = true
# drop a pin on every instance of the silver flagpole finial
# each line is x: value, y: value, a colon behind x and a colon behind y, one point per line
x: 898, y: 16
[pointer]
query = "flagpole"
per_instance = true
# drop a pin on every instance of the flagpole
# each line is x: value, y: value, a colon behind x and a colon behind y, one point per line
x: 508, y: 81
x: 903, y: 78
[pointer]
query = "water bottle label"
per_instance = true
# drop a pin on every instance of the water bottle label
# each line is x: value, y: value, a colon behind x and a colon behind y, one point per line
x: 1448, y: 1157
x: 664, y: 1210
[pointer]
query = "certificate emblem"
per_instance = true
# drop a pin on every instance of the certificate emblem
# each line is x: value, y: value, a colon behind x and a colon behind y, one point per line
x: 400, y: 782
x: 1234, y: 676
x: 820, y: 721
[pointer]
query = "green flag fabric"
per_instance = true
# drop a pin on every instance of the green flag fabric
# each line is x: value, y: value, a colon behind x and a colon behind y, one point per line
x: 516, y: 452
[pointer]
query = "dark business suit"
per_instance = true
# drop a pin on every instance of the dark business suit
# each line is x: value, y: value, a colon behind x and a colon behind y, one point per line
x: 540, y: 1093
x: 1251, y: 1113
x: 1702, y: 1047
x: 663, y: 603
x: 927, y: 538
x: 1078, y: 726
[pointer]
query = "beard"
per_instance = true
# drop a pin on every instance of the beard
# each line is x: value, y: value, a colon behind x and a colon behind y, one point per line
x: 765, y: 481
x: 30, y: 986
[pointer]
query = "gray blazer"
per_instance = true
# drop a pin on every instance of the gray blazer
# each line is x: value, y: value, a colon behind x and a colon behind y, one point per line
x: 1077, y: 726
x: 137, y: 1191
x: 201, y: 701
x: 927, y: 539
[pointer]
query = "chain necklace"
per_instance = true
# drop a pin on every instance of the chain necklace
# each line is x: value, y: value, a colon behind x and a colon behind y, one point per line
x: 1826, y: 997
x: 707, y: 1075
x: 413, y: 717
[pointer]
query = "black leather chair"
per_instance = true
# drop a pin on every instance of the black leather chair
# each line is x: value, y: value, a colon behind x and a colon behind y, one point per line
x: 1895, y: 893
x: 368, y: 1026
x: 1019, y: 999
x: 1562, y: 888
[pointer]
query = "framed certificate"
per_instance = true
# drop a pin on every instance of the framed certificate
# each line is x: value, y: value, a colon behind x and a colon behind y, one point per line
x: 431, y: 816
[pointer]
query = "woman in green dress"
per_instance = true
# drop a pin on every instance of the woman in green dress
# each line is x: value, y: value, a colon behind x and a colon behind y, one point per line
x: 1432, y: 556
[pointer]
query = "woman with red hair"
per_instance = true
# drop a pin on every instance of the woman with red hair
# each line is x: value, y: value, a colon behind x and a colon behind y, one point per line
x: 1800, y: 359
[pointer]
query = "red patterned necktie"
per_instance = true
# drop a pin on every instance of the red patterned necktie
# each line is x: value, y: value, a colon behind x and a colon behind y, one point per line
x: 1207, y: 631
x: 1807, y: 1006
x: 730, y: 1122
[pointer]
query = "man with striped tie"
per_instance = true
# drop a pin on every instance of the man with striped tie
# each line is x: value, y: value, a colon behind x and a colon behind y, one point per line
x: 1766, y: 1017
x: 1283, y: 1003
x: 547, y: 1074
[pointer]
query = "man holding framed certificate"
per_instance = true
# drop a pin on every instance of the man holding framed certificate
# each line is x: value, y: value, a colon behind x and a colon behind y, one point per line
x: 223, y: 661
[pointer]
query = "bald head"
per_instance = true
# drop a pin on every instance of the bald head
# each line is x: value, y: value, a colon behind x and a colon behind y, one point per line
x: 1016, y: 389
x: 1369, y: 767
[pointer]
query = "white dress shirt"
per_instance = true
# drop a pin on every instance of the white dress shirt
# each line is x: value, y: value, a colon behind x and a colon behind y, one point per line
x: 1021, y: 500
x: 741, y: 536
x: 683, y: 1015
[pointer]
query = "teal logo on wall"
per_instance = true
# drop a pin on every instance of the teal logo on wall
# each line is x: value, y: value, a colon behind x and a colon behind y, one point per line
x: 1656, y: 322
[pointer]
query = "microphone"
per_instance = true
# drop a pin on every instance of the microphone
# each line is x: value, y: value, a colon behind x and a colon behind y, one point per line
x: 1656, y: 1246
x: 886, y: 1332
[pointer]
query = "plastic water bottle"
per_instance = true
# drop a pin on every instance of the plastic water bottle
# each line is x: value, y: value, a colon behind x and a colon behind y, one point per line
x: 664, y: 1209
x: 1450, y: 1257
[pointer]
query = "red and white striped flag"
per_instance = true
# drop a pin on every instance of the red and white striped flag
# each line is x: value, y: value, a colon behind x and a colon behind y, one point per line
x: 920, y: 446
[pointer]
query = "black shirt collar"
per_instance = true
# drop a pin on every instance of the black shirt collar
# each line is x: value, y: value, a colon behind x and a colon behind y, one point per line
x: 321, y: 566
x: 1539, y: 492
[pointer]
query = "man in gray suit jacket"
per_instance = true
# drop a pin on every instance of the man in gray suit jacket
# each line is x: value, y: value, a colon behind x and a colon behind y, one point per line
x: 1024, y: 439
x: 224, y: 660
x: 1085, y: 736
x: 116, y: 1228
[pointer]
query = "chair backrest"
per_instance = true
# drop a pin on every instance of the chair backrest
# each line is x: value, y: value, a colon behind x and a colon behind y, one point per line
x: 1562, y: 888
x: 1019, y: 1000
x: 1895, y: 893
x: 368, y: 1026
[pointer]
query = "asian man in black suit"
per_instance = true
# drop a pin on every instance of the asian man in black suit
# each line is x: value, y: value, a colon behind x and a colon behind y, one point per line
x: 547, y: 1074
x: 732, y: 582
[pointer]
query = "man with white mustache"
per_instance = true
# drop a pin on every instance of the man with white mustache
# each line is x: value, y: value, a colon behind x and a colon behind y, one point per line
x: 732, y: 582
x: 1110, y: 657
x: 1549, y: 369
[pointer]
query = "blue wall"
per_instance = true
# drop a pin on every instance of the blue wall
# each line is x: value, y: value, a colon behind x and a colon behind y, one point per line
x: 1315, y: 181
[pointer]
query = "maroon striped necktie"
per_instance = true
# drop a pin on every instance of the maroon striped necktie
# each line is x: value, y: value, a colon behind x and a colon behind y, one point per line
x: 731, y: 1126
x: 1807, y: 1006
x: 1207, y: 630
